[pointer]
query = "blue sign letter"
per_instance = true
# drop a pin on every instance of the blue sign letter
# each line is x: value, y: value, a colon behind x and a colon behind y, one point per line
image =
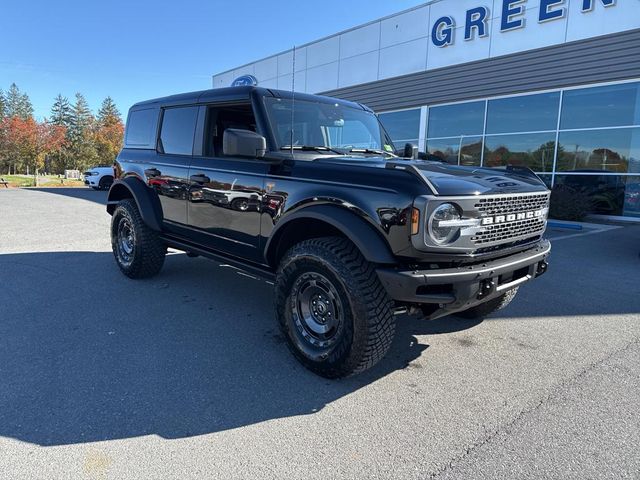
x: 587, y: 5
x: 511, y: 8
x: 546, y: 14
x: 476, y: 17
x: 442, y: 32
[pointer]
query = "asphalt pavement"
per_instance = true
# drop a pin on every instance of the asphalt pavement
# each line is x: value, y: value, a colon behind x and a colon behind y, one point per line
x: 186, y: 376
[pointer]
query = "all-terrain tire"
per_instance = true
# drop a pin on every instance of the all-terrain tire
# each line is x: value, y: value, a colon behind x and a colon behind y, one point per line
x: 139, y: 251
x: 487, y: 308
x: 363, y: 333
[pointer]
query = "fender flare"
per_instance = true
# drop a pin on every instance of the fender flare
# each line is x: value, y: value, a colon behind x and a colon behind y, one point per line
x: 370, y: 242
x: 146, y: 199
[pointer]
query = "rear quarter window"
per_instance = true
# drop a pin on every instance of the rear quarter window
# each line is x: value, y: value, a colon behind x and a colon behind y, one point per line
x: 141, y: 128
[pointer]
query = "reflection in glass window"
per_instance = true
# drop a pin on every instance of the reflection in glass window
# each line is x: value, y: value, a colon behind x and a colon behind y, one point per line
x: 613, y: 150
x: 606, y: 192
x: 458, y: 150
x: 528, y: 113
x: 403, y: 127
x: 610, y: 106
x: 631, y: 206
x: 534, y: 150
x: 546, y: 179
x: 455, y: 120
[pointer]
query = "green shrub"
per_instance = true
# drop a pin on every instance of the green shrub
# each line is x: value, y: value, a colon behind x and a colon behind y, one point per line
x: 569, y: 204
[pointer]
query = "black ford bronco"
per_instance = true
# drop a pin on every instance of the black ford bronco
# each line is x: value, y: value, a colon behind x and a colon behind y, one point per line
x: 310, y: 192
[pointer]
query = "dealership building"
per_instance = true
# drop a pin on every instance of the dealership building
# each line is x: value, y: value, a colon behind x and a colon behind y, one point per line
x: 550, y: 84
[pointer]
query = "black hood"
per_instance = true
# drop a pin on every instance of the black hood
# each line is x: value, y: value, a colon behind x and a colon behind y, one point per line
x: 455, y: 180
x: 450, y: 180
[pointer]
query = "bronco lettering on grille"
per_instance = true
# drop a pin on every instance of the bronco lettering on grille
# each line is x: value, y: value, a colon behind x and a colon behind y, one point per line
x: 511, y: 217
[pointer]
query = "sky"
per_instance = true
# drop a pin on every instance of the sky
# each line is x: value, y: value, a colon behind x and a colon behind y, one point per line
x: 135, y: 50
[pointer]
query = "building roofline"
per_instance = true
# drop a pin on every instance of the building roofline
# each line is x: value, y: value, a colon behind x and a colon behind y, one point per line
x: 342, y: 32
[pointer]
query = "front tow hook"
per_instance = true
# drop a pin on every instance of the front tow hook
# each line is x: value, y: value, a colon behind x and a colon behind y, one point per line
x: 487, y: 287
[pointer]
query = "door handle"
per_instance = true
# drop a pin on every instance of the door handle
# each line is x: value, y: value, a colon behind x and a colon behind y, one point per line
x: 199, y: 178
x: 152, y: 172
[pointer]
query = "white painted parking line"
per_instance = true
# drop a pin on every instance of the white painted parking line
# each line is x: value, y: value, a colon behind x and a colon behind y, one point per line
x: 593, y: 229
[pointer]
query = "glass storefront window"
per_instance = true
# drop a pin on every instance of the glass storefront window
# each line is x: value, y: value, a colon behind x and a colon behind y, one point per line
x: 527, y: 113
x: 597, y: 144
x: 608, y: 106
x: 403, y: 126
x: 455, y: 120
x: 609, y: 194
x: 457, y: 150
x: 547, y: 179
x: 533, y: 150
x: 612, y: 150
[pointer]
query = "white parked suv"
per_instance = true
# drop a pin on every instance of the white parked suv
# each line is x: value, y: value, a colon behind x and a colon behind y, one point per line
x: 99, y: 178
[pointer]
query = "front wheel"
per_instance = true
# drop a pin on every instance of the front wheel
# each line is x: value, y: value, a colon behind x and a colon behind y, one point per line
x: 491, y: 306
x: 331, y: 307
x: 138, y: 250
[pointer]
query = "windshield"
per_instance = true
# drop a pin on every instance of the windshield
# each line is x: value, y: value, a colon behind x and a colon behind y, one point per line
x: 328, y: 127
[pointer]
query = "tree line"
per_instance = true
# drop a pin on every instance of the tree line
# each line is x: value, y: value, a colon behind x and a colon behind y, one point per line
x: 71, y: 138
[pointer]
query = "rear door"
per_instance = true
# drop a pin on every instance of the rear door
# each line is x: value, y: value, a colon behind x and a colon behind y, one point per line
x: 226, y: 193
x: 168, y: 175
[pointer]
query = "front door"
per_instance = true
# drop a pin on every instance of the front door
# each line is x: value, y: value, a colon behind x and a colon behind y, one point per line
x: 226, y: 193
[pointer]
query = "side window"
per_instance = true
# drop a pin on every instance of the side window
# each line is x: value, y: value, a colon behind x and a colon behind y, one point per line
x: 220, y: 118
x: 141, y: 128
x: 177, y: 131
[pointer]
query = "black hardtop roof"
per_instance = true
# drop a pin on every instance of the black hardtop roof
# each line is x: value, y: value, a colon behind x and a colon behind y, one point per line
x: 238, y: 93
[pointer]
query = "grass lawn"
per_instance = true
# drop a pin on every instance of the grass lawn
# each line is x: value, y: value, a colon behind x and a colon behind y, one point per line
x: 43, y: 181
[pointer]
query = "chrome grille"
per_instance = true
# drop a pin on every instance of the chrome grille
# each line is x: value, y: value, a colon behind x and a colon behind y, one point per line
x: 512, y: 204
x: 513, y: 230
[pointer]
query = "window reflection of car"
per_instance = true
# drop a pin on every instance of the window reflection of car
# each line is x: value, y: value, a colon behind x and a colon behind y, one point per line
x: 167, y: 187
x: 632, y: 198
x: 242, y: 200
x: 273, y: 203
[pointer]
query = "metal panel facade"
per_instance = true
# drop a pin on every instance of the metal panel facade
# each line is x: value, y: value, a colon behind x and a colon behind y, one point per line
x: 602, y: 59
x: 438, y: 34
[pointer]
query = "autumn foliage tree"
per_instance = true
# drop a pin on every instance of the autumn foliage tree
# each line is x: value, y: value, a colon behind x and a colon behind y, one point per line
x: 26, y: 143
x: 109, y: 132
x: 71, y: 139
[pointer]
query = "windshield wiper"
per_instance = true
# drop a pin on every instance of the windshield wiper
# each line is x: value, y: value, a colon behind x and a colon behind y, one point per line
x: 312, y: 148
x: 372, y: 150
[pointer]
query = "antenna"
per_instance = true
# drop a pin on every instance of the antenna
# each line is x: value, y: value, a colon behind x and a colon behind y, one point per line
x: 293, y: 97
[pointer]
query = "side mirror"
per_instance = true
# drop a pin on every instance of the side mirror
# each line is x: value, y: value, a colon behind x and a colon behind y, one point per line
x: 243, y: 143
x: 410, y: 151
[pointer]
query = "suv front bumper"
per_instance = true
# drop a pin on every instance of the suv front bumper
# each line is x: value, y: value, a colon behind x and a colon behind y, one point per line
x: 453, y: 290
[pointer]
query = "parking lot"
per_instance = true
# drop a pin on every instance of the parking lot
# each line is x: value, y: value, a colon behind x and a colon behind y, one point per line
x: 186, y: 376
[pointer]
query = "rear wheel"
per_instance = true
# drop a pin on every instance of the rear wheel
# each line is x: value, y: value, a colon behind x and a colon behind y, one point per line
x: 138, y: 250
x: 487, y: 308
x: 241, y: 204
x: 332, y: 309
x: 105, y: 182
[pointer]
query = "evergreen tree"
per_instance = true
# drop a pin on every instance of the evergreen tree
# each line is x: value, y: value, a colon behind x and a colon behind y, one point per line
x: 13, y: 101
x: 61, y: 111
x: 18, y: 104
x: 81, y: 118
x: 82, y: 151
x: 3, y: 105
x: 25, y: 110
x: 109, y: 114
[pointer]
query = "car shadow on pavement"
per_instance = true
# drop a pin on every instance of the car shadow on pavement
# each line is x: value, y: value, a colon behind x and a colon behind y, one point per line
x: 81, y: 193
x: 89, y: 355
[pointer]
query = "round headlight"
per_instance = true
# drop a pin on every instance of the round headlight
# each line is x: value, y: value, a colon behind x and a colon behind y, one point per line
x: 439, y: 232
